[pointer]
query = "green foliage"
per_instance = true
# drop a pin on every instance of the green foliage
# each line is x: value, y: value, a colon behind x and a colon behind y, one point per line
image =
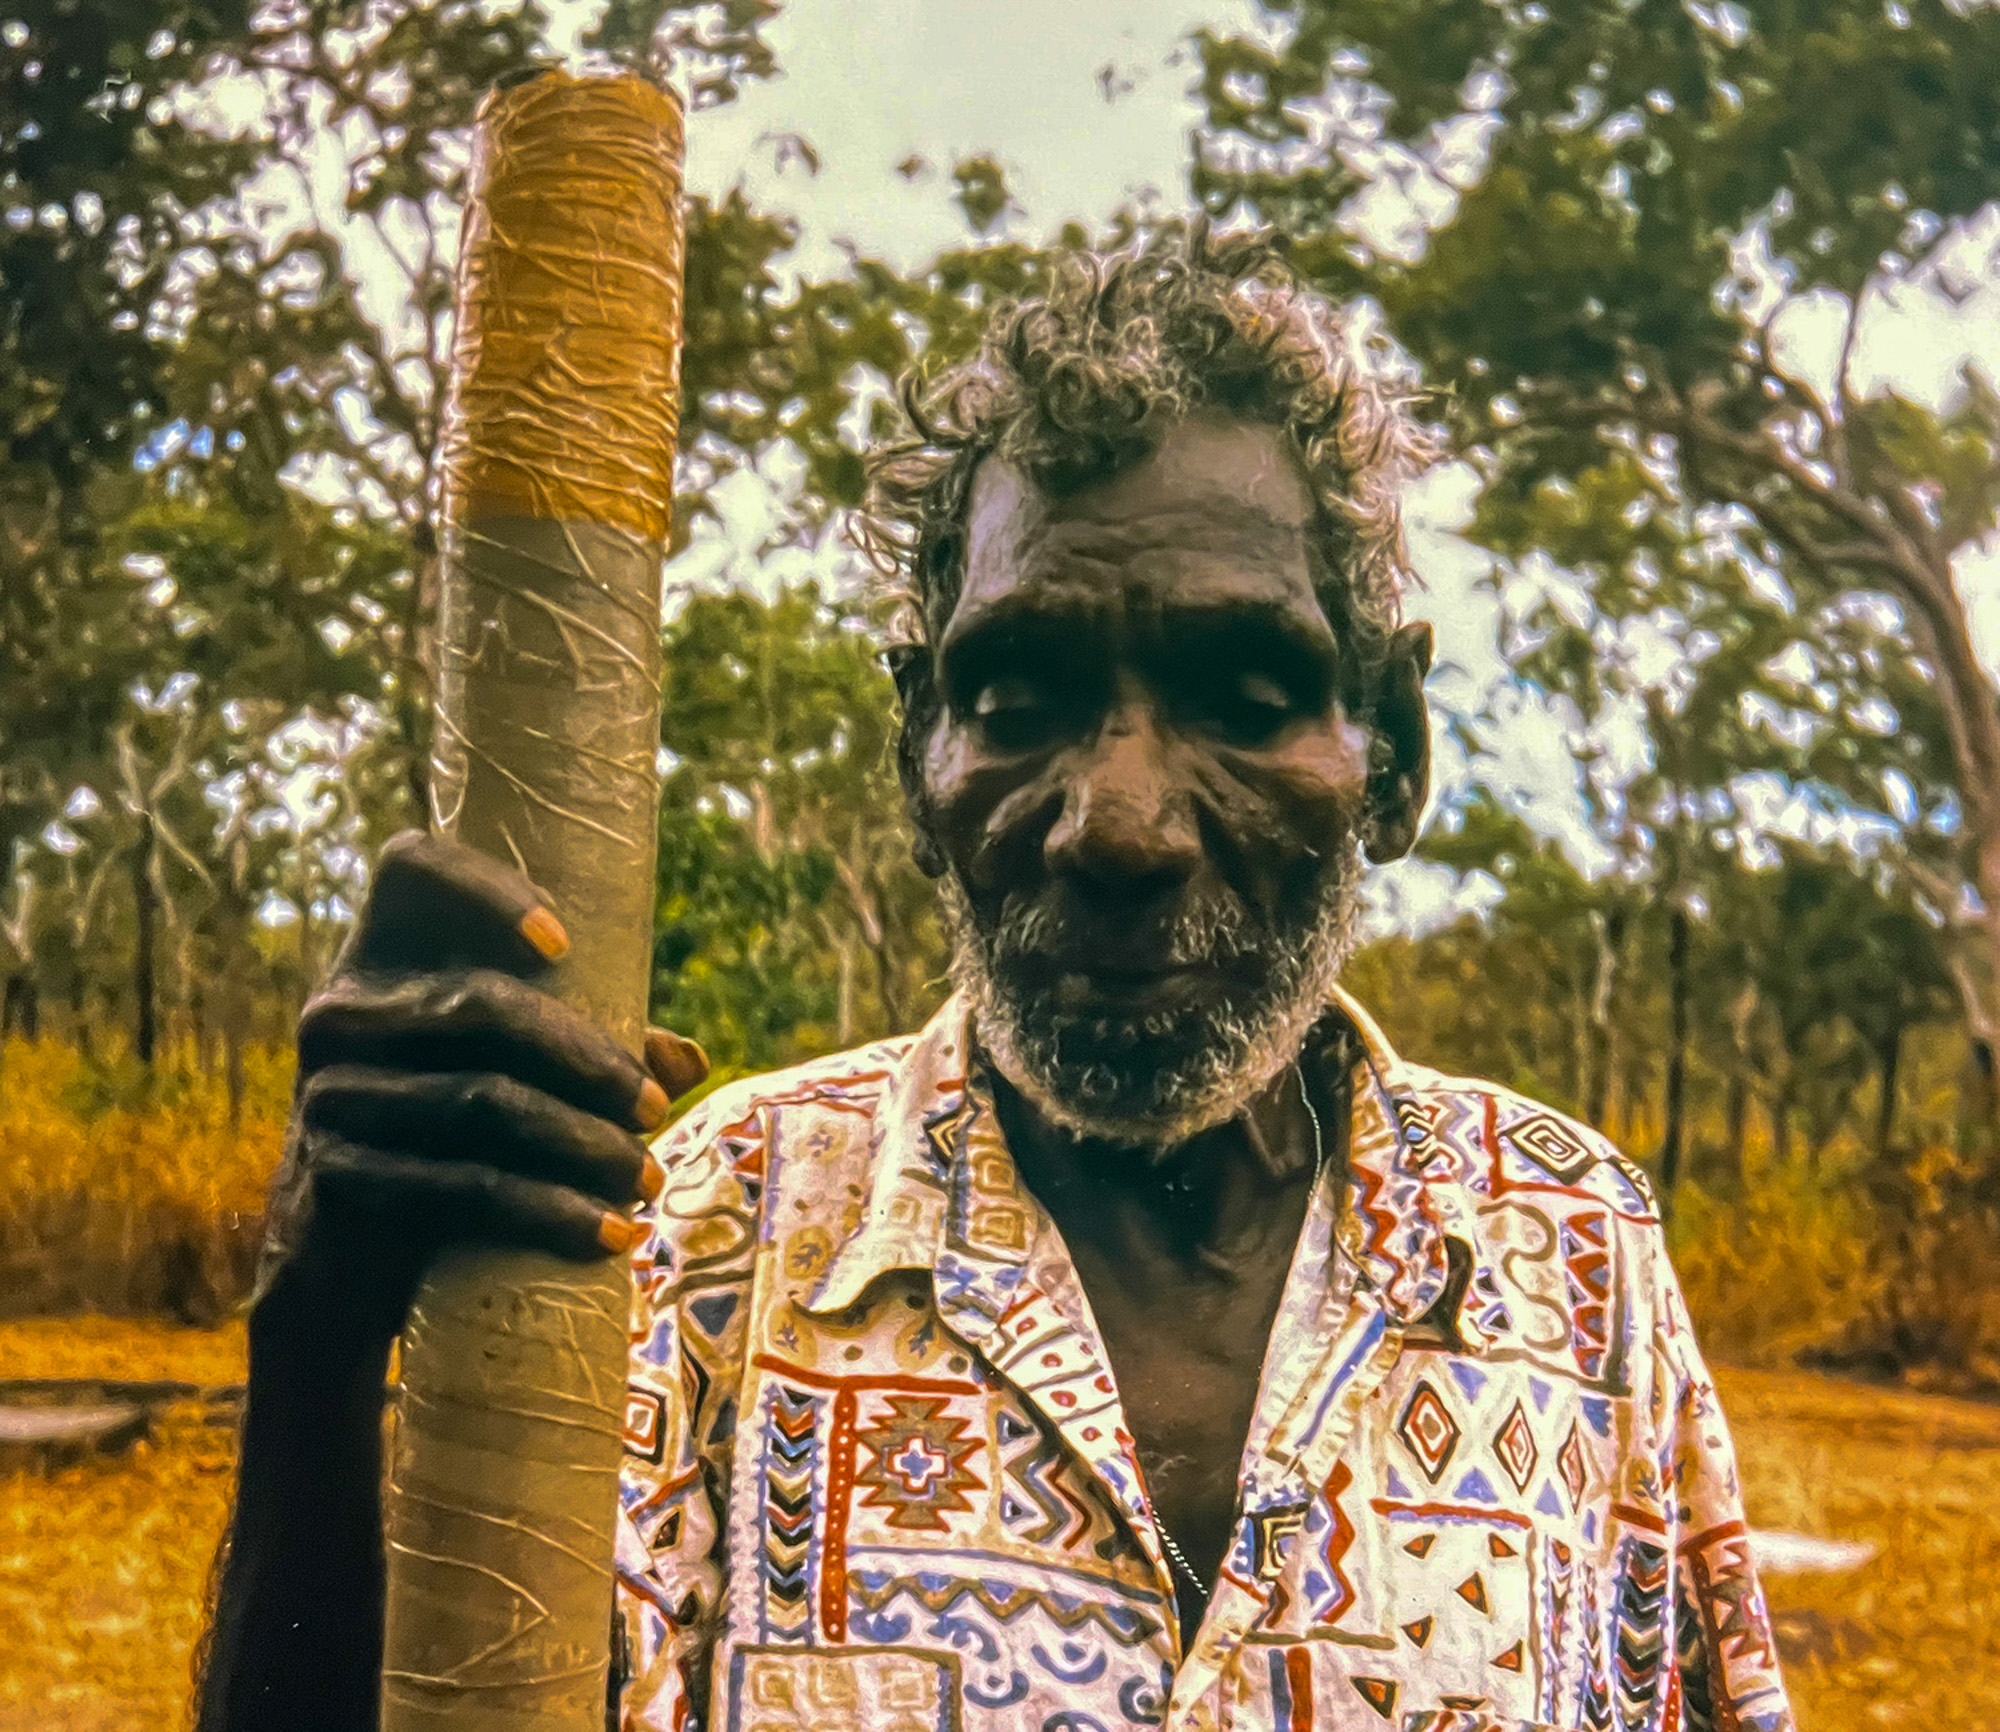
x: 791, y: 920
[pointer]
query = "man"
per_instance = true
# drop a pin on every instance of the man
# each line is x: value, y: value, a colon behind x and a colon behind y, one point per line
x: 1143, y: 1342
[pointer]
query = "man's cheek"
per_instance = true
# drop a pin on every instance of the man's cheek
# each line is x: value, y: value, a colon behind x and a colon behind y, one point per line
x: 1281, y: 808
x: 982, y: 810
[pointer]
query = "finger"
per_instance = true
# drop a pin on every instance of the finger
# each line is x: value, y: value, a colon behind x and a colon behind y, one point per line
x: 481, y: 1020
x: 677, y: 1063
x: 479, y: 1116
x: 436, y: 904
x: 463, y: 1203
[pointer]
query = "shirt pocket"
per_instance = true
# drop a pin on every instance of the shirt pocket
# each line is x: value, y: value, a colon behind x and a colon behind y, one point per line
x: 1472, y: 1720
x: 789, y: 1689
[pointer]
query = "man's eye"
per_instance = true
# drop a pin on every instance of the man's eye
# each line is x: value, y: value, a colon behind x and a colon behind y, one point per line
x: 1249, y: 708
x: 1015, y: 713
x: 1261, y: 692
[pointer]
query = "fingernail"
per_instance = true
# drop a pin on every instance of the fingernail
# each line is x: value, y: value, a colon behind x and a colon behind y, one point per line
x: 545, y: 932
x: 653, y: 1105
x: 652, y: 1179
x: 620, y: 1232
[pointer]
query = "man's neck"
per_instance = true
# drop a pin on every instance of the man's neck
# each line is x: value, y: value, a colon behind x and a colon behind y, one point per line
x: 1207, y: 1206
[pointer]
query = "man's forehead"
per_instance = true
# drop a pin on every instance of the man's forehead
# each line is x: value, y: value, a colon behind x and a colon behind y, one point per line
x: 1219, y: 511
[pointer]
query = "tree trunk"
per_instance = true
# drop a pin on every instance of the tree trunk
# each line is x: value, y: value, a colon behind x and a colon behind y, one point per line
x: 22, y: 1011
x: 1675, y: 1110
x: 145, y: 907
x: 235, y: 1012
x: 1889, y: 1065
x: 1736, y: 1136
x: 1609, y: 931
x: 1942, y: 630
x: 559, y: 487
x: 79, y: 1015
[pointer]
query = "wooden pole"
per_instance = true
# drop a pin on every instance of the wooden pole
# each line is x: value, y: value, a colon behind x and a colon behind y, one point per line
x: 557, y: 455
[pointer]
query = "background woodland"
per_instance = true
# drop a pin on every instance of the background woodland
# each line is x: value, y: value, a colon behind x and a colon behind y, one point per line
x: 1726, y: 560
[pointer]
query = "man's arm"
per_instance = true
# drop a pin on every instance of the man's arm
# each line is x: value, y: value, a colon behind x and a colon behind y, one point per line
x: 1727, y: 1661
x: 444, y: 1099
x: 297, y: 1633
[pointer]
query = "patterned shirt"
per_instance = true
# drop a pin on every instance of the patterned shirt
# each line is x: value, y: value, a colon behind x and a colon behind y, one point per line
x: 878, y: 1477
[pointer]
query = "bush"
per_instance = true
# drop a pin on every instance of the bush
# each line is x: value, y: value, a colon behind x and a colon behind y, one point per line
x: 128, y: 1193
x: 1781, y: 1273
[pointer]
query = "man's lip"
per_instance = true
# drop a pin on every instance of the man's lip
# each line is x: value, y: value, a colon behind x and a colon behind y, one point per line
x: 1076, y: 986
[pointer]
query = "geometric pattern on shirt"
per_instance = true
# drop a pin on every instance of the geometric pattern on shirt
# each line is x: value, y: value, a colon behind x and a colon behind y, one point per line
x: 1428, y: 1430
x: 919, y: 1468
x: 947, y: 1596
x: 1514, y: 1444
x: 791, y: 1462
x: 1553, y: 1147
x: 1038, y: 1503
x: 1455, y: 1588
x: 1641, y: 1645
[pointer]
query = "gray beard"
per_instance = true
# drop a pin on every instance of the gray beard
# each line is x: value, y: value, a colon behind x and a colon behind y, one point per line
x: 1152, y: 1084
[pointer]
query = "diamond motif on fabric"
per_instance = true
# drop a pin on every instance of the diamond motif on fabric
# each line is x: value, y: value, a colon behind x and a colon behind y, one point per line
x: 1553, y: 1147
x: 1429, y: 1431
x: 1514, y: 1444
x: 1569, y: 1461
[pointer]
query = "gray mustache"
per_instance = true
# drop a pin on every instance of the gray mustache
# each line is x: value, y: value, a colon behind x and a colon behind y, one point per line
x: 1211, y: 931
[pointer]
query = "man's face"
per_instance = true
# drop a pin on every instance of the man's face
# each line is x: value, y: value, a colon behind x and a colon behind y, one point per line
x: 1145, y: 784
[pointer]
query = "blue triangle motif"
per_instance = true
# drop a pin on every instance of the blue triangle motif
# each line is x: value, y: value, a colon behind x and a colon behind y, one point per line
x: 1468, y: 1377
x: 712, y: 1311
x: 1475, y: 1488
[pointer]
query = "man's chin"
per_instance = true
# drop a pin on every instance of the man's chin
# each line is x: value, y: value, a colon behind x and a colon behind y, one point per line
x: 1147, y: 1086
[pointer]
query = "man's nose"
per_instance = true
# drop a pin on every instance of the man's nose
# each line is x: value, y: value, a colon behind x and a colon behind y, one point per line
x: 1126, y: 821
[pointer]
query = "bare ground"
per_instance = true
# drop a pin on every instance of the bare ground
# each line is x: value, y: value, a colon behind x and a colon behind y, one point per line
x: 103, y: 1567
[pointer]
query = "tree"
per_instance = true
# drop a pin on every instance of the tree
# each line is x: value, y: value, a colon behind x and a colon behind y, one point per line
x: 1617, y: 202
x: 791, y: 919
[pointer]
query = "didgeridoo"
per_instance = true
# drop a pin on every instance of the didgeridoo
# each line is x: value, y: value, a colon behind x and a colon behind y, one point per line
x: 557, y: 454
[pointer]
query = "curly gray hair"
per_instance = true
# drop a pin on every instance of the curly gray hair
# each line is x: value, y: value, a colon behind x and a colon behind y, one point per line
x: 1075, y: 384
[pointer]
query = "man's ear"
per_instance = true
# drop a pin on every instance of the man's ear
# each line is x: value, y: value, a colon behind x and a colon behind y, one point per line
x: 911, y: 668
x: 1401, y: 782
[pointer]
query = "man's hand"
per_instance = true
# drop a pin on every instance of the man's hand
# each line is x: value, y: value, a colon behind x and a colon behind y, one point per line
x: 444, y: 1098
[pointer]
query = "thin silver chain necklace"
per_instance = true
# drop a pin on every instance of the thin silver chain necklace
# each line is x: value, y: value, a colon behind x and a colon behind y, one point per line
x: 1168, y: 1543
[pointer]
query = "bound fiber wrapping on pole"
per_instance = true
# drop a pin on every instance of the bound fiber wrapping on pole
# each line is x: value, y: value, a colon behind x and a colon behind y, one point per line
x: 557, y: 454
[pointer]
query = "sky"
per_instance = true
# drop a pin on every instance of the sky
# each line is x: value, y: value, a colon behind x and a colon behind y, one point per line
x: 1088, y: 107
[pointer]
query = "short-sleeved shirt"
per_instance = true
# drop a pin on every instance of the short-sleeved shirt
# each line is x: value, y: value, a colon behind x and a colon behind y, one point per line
x: 878, y: 1476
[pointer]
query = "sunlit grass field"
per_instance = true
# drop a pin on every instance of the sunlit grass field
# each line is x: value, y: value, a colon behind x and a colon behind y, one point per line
x: 131, y: 1194
x: 103, y: 1567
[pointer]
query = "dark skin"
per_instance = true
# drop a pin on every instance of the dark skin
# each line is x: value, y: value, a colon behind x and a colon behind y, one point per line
x: 1144, y: 710
x: 1162, y: 775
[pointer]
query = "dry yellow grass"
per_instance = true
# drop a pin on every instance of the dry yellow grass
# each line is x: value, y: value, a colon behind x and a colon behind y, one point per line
x: 103, y: 1568
x: 124, y: 1194
x: 1910, y: 1640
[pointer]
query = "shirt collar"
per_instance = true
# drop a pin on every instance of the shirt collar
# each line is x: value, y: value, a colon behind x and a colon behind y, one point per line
x: 944, y: 1184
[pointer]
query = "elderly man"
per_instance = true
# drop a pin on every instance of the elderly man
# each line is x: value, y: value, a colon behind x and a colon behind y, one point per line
x: 1141, y: 1343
